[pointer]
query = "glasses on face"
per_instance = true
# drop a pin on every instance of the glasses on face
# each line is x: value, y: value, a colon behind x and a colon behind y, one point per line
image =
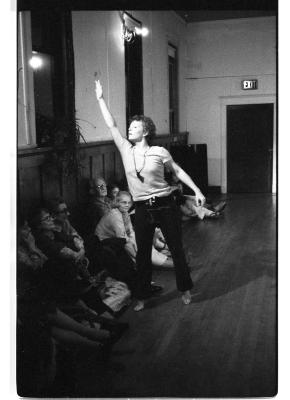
x: 46, y: 218
x: 102, y: 186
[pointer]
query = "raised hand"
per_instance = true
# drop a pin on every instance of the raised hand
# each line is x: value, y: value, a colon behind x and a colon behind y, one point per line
x: 98, y: 90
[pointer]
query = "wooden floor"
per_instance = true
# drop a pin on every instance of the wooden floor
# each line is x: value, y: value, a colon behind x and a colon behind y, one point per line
x: 224, y: 343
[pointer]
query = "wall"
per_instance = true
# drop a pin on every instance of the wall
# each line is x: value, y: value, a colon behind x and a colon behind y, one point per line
x: 26, y: 136
x: 165, y: 27
x: 220, y: 55
x: 38, y: 179
x: 98, y: 47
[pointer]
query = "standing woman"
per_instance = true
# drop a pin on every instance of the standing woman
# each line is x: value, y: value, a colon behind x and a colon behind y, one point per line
x: 154, y: 204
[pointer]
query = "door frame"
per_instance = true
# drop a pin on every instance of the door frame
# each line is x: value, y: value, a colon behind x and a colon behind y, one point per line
x: 240, y: 100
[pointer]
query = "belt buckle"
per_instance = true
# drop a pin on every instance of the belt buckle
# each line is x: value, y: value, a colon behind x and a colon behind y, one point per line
x: 152, y: 201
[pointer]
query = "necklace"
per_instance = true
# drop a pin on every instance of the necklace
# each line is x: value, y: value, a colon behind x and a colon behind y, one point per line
x: 138, y: 172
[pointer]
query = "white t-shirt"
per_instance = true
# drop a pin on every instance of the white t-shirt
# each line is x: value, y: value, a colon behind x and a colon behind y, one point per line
x: 112, y: 225
x: 153, y: 172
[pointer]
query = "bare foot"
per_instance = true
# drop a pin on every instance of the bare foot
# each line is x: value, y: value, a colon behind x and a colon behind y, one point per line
x: 186, y: 297
x: 139, y: 306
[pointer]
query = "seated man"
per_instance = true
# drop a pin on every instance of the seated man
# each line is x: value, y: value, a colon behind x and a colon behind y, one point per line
x: 65, y: 231
x: 99, y: 203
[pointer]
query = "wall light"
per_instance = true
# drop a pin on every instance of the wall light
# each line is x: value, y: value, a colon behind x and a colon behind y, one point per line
x: 142, y: 31
x: 35, y: 61
x: 130, y: 30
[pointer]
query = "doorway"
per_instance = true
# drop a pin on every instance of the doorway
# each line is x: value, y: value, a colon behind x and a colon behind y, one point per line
x: 250, y: 148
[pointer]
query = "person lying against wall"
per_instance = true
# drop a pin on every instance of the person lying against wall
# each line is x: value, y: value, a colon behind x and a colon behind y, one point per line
x: 190, y: 208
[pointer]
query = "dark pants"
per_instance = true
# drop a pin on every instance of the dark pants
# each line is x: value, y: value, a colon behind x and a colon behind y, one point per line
x: 165, y: 214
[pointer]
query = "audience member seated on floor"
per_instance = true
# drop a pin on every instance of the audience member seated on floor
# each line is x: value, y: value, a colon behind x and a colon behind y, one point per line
x: 91, y: 248
x: 41, y: 324
x: 113, y: 190
x: 33, y: 277
x: 113, y: 234
x: 66, y: 232
x: 60, y: 212
x: 116, y: 295
x: 189, y: 207
x: 65, y: 261
x: 99, y: 203
x: 117, y: 224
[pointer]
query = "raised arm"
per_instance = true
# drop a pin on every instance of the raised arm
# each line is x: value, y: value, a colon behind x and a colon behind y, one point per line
x: 109, y: 119
x: 186, y: 179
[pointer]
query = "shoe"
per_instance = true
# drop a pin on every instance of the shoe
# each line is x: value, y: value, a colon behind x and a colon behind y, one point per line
x: 220, y: 206
x: 155, y: 288
x: 215, y: 214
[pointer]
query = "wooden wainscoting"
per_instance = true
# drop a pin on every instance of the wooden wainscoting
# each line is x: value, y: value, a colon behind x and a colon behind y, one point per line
x: 38, y: 179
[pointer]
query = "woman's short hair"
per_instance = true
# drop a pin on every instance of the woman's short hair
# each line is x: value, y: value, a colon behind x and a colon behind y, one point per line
x: 148, y: 125
x: 124, y: 193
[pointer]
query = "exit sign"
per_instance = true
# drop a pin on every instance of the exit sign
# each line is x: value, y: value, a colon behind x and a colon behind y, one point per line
x: 250, y: 84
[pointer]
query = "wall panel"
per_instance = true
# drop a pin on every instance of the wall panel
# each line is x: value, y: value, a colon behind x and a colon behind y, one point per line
x: 39, y: 179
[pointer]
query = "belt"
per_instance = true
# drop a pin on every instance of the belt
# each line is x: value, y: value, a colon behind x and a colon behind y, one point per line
x: 155, y: 201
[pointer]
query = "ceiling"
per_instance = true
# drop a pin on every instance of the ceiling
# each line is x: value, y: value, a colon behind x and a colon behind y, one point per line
x: 189, y: 10
x: 208, y: 10
x: 211, y: 15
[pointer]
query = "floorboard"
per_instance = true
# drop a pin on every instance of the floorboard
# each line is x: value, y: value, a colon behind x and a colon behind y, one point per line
x: 224, y: 343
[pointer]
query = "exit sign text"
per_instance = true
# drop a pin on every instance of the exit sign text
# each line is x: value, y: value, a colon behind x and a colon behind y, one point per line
x: 250, y: 84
